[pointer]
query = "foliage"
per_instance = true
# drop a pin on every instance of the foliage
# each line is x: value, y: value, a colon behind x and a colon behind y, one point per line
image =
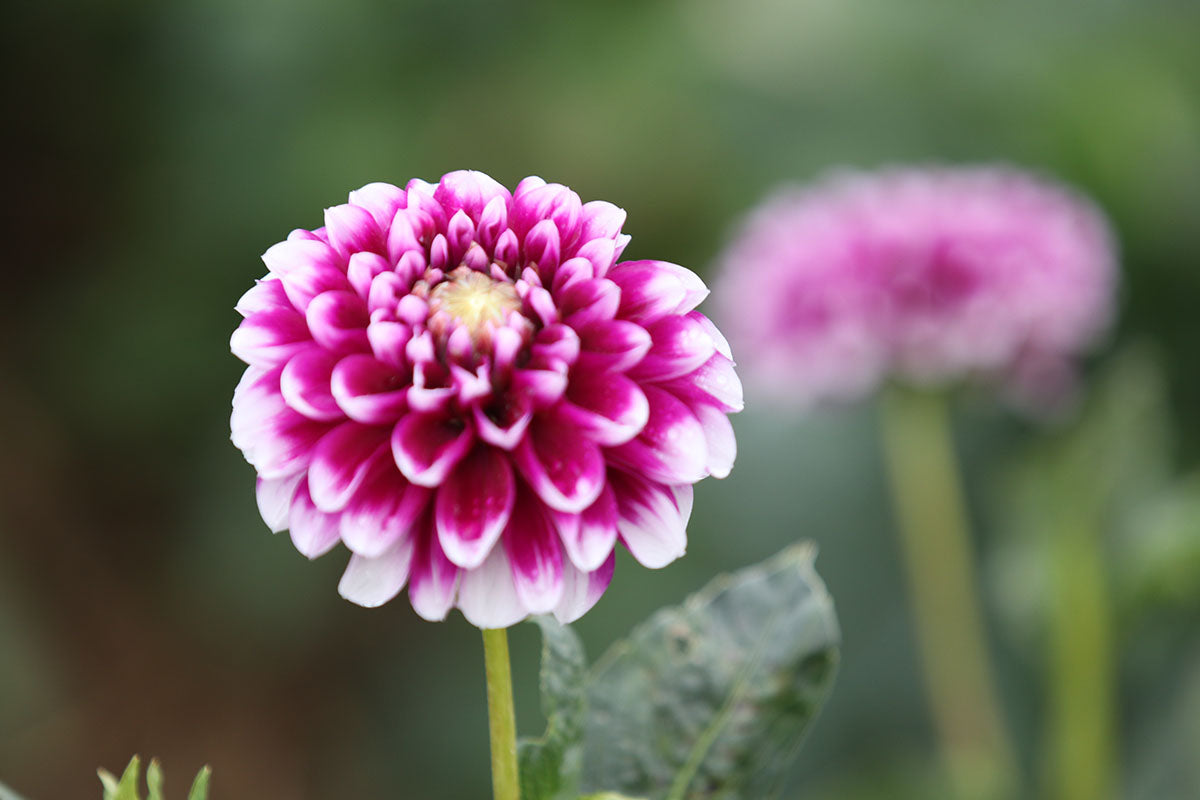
x: 127, y: 787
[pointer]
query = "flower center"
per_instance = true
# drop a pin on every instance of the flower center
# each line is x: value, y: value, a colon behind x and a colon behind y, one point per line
x: 474, y: 300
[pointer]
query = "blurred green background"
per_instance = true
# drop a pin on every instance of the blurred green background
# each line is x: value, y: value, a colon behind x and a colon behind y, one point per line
x: 153, y: 150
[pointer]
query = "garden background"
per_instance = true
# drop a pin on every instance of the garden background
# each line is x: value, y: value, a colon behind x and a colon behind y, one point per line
x: 154, y: 150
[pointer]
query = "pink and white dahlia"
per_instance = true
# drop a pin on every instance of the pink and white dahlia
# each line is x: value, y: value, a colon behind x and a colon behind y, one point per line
x: 466, y: 387
x: 926, y: 276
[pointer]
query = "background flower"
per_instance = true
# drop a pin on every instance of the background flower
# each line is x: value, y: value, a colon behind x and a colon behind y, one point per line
x: 922, y: 275
x: 465, y: 387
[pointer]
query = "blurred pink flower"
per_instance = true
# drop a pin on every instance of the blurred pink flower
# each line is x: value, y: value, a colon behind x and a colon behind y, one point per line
x: 465, y: 387
x: 925, y: 276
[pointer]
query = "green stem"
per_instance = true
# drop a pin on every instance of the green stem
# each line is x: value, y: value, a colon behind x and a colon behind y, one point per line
x: 1082, y: 716
x: 935, y: 538
x: 502, y: 722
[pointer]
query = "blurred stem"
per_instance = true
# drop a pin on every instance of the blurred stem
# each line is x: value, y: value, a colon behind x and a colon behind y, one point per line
x: 1082, y: 713
x: 502, y: 722
x: 935, y: 539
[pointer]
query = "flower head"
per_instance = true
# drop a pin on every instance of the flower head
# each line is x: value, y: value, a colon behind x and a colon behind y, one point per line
x: 920, y: 275
x: 465, y: 387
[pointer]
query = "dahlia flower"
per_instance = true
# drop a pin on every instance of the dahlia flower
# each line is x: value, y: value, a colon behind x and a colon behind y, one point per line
x: 465, y: 387
x: 925, y: 276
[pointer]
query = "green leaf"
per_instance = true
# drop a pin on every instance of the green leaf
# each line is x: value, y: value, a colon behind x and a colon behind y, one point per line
x: 199, y: 789
x: 8, y: 794
x: 127, y: 788
x: 712, y: 698
x: 607, y: 796
x: 550, y: 765
x: 154, y: 781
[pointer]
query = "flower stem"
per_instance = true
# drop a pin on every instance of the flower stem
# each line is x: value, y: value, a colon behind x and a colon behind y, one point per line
x: 923, y: 472
x: 1082, y: 717
x: 501, y: 719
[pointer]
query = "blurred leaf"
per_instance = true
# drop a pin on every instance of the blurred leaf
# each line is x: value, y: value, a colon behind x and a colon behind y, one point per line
x: 606, y: 796
x: 712, y: 698
x: 1166, y: 761
x: 1159, y: 552
x: 127, y: 787
x: 550, y: 765
x: 8, y: 794
x: 199, y: 790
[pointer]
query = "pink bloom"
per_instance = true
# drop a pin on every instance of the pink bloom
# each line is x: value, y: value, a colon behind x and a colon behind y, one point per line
x: 922, y: 275
x: 465, y: 387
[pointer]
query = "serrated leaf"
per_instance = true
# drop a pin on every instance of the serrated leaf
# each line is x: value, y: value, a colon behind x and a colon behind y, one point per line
x: 550, y: 764
x: 712, y: 698
x: 127, y: 787
x: 199, y: 790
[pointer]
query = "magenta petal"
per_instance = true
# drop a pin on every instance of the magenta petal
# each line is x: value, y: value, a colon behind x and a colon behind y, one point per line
x: 718, y: 437
x: 341, y: 462
x: 581, y: 590
x: 589, y: 537
x: 368, y: 391
x: 533, y: 203
x: 503, y: 426
x: 539, y: 388
x: 610, y: 408
x: 307, y: 268
x: 487, y: 595
x: 600, y: 220
x: 274, y: 438
x: 269, y: 338
x: 470, y: 191
x: 600, y: 253
x: 371, y: 582
x: 542, y: 246
x: 588, y: 301
x: 649, y: 289
x: 533, y: 549
x: 274, y: 498
x: 388, y: 341
x: 352, y: 229
x: 338, y: 321
x: 715, y: 382
x: 314, y: 533
x: 563, y: 466
x: 264, y: 295
x: 384, y: 509
x: 474, y: 504
x: 382, y: 200
x: 304, y: 384
x: 434, y: 579
x: 362, y: 271
x: 612, y: 346
x: 651, y: 523
x: 679, y: 346
x: 428, y: 446
x: 671, y: 448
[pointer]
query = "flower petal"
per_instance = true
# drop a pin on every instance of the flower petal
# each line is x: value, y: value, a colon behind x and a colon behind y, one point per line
x: 487, y: 596
x: 341, y: 462
x: 718, y: 438
x: 427, y: 446
x: 352, y: 229
x: 314, y: 533
x: 608, y: 407
x: 679, y: 345
x: 715, y: 382
x: 338, y: 321
x: 434, y: 580
x: 304, y: 384
x: 274, y: 498
x: 649, y: 289
x: 612, y: 346
x: 368, y: 391
x: 533, y: 549
x: 371, y: 582
x: 671, y: 448
x: 589, y: 537
x: 265, y: 295
x: 651, y: 524
x: 385, y: 509
x: 274, y: 438
x: 470, y: 191
x: 581, y: 590
x: 269, y: 338
x: 562, y: 465
x: 307, y: 268
x: 474, y: 505
x: 588, y: 301
x: 382, y: 200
